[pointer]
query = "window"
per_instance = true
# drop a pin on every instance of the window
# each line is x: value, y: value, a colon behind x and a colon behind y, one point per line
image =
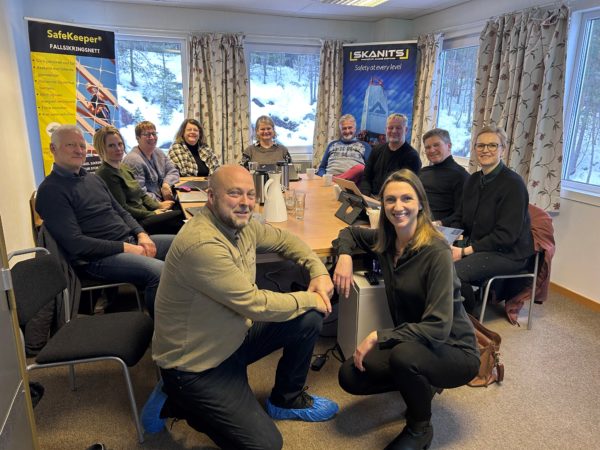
x: 581, y: 168
x: 149, y: 86
x: 283, y: 85
x: 456, y: 101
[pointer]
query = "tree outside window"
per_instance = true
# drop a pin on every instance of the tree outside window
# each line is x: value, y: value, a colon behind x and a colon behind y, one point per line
x: 456, y: 101
x: 149, y: 87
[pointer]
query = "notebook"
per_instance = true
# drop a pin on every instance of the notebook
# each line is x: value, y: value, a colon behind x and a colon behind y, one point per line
x: 192, y: 196
x: 195, y: 185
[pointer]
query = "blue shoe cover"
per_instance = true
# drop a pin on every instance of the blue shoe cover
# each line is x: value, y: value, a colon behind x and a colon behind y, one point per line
x: 150, y: 416
x: 322, y: 409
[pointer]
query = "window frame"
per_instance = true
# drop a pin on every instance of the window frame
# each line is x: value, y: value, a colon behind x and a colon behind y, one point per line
x: 468, y: 38
x: 282, y: 45
x: 574, y: 190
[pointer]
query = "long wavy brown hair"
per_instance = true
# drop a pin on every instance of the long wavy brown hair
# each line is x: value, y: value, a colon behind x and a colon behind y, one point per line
x: 425, y: 232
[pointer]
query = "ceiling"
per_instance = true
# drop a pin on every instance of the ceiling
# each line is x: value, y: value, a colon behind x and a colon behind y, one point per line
x: 393, y: 9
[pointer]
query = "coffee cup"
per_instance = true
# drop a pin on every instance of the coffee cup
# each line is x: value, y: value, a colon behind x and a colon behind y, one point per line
x: 373, y: 214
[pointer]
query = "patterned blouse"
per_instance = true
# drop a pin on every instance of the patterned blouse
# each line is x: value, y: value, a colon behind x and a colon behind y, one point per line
x: 184, y: 160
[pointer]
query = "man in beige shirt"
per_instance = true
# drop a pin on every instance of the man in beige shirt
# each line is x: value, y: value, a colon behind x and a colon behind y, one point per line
x: 212, y: 321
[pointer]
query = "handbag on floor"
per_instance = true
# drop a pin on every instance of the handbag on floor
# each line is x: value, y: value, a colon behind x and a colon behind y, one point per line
x: 491, y: 370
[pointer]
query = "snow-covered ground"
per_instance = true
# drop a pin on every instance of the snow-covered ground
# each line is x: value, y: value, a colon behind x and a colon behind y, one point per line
x: 290, y: 104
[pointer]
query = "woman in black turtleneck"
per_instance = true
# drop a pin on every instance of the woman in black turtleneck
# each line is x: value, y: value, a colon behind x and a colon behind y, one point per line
x: 494, y: 216
x: 189, y: 152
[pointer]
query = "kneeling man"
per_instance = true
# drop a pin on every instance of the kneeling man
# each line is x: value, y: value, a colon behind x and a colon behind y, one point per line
x: 212, y: 321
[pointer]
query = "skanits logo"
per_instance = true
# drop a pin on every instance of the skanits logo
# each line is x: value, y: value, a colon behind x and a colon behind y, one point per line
x: 379, y: 55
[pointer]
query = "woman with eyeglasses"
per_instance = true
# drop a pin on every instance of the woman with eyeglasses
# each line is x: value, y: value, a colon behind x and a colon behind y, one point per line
x: 154, y: 216
x: 152, y: 169
x: 494, y: 216
x: 189, y: 152
x: 432, y: 343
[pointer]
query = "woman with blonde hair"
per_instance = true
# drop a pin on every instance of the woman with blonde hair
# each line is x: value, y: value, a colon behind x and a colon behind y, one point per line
x: 154, y: 216
x: 189, y: 152
x: 265, y: 150
x: 432, y: 344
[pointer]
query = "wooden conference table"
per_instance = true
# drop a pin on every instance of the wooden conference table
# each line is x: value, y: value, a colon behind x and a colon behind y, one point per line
x: 320, y: 226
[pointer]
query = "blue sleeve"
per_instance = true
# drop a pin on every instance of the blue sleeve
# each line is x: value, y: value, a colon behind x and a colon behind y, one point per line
x: 324, y: 161
x: 367, y: 152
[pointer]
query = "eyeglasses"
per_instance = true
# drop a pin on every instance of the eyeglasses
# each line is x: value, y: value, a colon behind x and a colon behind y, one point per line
x: 491, y: 146
x: 150, y: 134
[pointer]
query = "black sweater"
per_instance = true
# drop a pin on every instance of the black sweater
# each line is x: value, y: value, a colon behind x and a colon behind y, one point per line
x: 383, y: 162
x: 82, y: 216
x: 494, y: 214
x: 443, y: 184
x: 423, y: 293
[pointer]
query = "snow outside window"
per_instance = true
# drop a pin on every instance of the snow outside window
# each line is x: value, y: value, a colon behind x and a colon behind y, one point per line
x: 283, y: 85
x: 149, y: 86
x: 581, y: 165
x: 457, y: 91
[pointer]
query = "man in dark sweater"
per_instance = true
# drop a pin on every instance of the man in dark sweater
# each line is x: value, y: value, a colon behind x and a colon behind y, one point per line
x: 394, y: 155
x: 97, y: 235
x: 443, y: 180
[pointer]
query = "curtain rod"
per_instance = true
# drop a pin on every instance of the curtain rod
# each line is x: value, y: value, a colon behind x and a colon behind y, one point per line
x: 481, y: 22
x: 116, y: 28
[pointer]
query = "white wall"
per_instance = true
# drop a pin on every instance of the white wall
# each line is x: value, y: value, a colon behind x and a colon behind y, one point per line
x: 16, y: 174
x: 577, y: 261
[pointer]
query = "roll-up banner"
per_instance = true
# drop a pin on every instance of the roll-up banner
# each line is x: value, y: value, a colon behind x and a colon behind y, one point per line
x: 379, y: 79
x: 74, y: 77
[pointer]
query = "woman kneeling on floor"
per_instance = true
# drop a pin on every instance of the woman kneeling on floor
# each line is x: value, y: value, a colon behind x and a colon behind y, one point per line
x: 432, y: 345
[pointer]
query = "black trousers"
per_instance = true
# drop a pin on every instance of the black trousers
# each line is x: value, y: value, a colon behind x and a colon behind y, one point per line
x: 219, y: 401
x: 475, y: 269
x: 411, y: 368
x: 169, y: 222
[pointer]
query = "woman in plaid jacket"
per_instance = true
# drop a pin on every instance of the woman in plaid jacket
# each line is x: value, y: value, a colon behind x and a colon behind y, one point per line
x: 189, y: 152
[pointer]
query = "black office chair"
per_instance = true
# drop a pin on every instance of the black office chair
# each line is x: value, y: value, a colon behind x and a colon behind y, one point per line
x: 122, y: 337
x: 531, y: 271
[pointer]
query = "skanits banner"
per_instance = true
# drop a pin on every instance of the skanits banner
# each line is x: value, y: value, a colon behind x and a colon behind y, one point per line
x: 74, y: 77
x: 379, y: 79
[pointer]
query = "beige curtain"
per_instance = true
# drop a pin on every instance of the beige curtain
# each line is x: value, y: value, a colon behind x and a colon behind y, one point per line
x: 218, y: 92
x: 329, y: 102
x: 427, y: 87
x: 520, y: 86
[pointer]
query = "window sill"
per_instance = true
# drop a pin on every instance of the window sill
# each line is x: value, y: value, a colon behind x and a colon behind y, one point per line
x: 581, y: 193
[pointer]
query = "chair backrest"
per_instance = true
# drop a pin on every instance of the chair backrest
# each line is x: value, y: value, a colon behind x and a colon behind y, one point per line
x: 36, y: 220
x: 36, y: 282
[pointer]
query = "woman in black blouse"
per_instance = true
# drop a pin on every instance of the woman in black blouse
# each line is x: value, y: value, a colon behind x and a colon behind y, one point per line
x: 494, y: 216
x: 432, y: 344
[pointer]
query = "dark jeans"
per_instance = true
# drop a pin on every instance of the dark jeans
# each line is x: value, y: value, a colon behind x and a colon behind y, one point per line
x: 411, y: 368
x: 139, y: 270
x: 219, y: 401
x: 475, y: 269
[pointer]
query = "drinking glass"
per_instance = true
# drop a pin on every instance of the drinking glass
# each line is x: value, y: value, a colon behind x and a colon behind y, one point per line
x: 252, y: 166
x: 290, y: 199
x: 300, y: 204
